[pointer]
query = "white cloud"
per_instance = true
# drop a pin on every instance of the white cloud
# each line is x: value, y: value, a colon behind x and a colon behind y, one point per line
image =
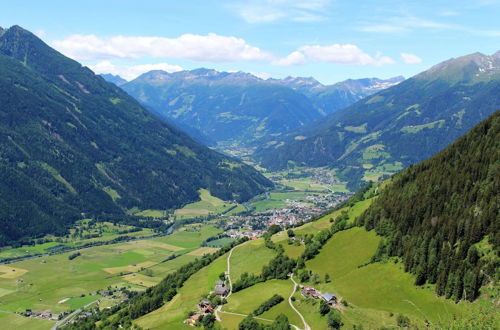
x: 295, y: 58
x: 130, y: 72
x: 343, y: 54
x: 266, y: 11
x: 208, y: 48
x: 405, y: 23
x: 410, y: 58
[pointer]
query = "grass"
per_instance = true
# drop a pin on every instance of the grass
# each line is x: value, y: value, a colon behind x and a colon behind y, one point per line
x: 355, y: 243
x: 376, y: 289
x: 77, y: 302
x: 277, y: 200
x: 152, y: 213
x: 105, y: 231
x: 250, y: 257
x: 172, y: 314
x: 14, y: 321
x: 208, y: 204
x: 247, y: 300
x: 97, y: 268
x: 220, y: 242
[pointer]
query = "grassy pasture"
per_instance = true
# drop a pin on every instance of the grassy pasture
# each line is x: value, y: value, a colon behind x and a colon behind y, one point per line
x: 172, y: 314
x: 247, y: 300
x: 207, y: 205
x: 377, y: 289
x: 97, y: 268
x: 250, y: 257
x: 13, y: 321
x: 107, y: 231
x: 202, y: 251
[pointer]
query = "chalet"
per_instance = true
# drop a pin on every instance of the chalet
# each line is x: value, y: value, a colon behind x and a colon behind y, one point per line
x: 309, y: 291
x: 331, y: 299
x: 206, y: 307
x: 221, y: 290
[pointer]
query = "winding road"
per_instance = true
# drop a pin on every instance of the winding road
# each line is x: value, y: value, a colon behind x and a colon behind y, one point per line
x: 230, y: 283
x: 295, y: 285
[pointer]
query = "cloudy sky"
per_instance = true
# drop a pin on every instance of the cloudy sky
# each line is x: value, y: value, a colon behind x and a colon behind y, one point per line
x: 330, y: 40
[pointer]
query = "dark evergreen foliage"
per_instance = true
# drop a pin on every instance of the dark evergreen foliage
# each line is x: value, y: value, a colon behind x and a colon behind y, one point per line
x: 68, y: 138
x: 434, y: 214
x: 268, y: 304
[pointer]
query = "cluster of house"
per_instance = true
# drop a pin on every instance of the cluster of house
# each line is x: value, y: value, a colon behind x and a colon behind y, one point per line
x: 330, y: 200
x: 44, y: 314
x: 311, y: 292
x: 205, y: 308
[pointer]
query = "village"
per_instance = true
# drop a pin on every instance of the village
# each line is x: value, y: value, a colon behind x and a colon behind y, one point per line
x: 295, y: 213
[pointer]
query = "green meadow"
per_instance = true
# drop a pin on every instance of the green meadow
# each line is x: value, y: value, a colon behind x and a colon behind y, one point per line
x: 57, y: 284
x: 250, y: 257
x: 172, y: 314
x: 247, y: 300
x: 376, y: 290
x: 105, y: 232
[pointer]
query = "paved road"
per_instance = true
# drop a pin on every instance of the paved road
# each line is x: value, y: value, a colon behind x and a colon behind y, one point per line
x: 70, y: 316
x: 295, y: 285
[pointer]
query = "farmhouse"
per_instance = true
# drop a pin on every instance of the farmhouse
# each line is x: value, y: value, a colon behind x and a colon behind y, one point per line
x: 221, y: 290
x: 193, y: 320
x: 331, y: 299
x: 309, y: 291
x: 206, y: 307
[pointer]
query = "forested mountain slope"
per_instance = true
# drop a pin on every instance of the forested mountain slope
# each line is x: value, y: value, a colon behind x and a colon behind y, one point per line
x: 238, y: 107
x: 442, y: 215
x: 225, y: 106
x: 73, y: 144
x: 400, y: 125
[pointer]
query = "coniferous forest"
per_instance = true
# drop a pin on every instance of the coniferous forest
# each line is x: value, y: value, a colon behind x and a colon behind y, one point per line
x: 441, y: 216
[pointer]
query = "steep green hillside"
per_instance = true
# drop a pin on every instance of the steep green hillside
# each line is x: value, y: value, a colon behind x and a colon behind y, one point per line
x: 399, y: 126
x: 442, y: 215
x: 71, y: 143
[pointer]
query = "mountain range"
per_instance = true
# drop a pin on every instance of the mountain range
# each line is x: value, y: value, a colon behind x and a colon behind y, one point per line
x: 74, y: 145
x: 397, y: 126
x: 240, y: 108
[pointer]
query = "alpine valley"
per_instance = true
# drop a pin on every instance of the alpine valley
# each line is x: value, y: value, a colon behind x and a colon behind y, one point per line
x: 221, y: 200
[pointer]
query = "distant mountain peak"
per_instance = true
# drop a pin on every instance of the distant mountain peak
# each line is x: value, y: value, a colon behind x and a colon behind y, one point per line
x: 468, y: 68
x: 115, y: 79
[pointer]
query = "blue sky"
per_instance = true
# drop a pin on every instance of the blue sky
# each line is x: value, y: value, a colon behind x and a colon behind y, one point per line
x: 330, y: 40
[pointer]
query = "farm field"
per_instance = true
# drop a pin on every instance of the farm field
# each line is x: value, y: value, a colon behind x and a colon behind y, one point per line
x: 206, y: 206
x: 134, y: 265
x: 18, y: 322
x: 277, y: 200
x: 343, y: 257
x: 105, y: 231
